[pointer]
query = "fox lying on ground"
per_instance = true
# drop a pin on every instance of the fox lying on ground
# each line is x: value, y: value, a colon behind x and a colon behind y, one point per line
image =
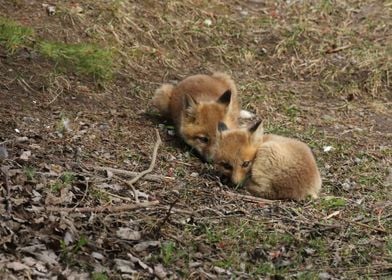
x: 196, y: 105
x: 271, y: 166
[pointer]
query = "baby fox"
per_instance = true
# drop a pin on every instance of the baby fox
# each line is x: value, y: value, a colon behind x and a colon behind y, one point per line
x: 196, y: 105
x: 276, y: 167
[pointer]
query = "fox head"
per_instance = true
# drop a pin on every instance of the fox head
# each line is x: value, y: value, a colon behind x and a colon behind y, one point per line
x: 235, y: 150
x: 200, y: 119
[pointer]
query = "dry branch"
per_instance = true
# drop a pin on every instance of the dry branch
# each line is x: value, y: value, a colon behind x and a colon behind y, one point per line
x: 110, y: 209
x: 148, y: 177
x: 153, y: 160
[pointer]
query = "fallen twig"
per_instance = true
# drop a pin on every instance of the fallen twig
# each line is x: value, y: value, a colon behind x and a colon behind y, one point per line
x: 248, y: 197
x: 148, y: 170
x: 110, y: 209
x: 153, y: 160
x: 362, y: 225
x: 335, y: 50
x: 148, y: 177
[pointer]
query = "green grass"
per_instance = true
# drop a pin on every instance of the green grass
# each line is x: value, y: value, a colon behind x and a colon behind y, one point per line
x: 13, y: 35
x: 69, y: 252
x: 99, y: 276
x: 30, y: 172
x: 83, y: 58
x: 66, y: 179
x: 330, y: 202
x: 168, y: 251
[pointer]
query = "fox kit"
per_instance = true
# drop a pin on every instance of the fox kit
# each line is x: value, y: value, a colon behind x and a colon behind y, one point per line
x: 196, y: 105
x: 271, y: 166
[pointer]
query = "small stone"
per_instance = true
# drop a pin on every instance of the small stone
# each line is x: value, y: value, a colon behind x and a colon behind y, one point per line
x: 208, y: 22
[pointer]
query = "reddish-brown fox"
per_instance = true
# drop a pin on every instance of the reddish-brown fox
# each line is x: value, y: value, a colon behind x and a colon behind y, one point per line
x: 196, y: 105
x: 270, y: 166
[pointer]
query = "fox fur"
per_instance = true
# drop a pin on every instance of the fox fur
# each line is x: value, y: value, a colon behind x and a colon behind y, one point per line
x: 270, y: 166
x: 196, y: 105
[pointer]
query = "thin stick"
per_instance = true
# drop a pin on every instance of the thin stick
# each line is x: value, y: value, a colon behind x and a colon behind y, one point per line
x: 335, y: 50
x: 148, y: 177
x: 110, y: 209
x: 136, y: 197
x: 248, y: 197
x: 362, y: 225
x: 116, y: 195
x: 152, y: 164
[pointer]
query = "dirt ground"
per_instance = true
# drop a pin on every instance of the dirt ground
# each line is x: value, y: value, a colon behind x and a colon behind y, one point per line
x: 319, y: 71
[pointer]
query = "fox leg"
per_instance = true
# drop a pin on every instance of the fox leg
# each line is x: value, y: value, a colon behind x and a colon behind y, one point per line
x: 262, y: 189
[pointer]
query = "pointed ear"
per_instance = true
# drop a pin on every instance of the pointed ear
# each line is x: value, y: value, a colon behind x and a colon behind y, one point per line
x: 225, y: 98
x: 189, y: 101
x: 256, y: 131
x: 222, y: 127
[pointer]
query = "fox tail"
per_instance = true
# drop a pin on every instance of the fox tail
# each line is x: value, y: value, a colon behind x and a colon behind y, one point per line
x: 161, y: 98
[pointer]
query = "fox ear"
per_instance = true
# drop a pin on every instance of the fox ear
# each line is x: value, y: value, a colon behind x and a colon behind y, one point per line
x: 222, y: 127
x: 189, y: 101
x: 256, y: 131
x: 225, y: 98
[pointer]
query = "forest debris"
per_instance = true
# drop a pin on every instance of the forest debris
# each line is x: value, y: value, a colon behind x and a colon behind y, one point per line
x: 128, y: 234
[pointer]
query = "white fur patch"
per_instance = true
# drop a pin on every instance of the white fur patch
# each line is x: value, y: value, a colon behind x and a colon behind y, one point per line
x: 244, y: 114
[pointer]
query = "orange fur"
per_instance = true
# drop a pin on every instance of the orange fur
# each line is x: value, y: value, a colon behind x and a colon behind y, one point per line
x: 280, y: 167
x: 195, y: 108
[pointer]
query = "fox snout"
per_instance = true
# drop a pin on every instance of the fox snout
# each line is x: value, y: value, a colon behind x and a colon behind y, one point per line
x: 238, y: 178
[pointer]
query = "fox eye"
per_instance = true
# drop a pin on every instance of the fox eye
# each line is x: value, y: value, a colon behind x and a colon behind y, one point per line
x: 202, y: 139
x: 245, y: 164
x: 226, y: 166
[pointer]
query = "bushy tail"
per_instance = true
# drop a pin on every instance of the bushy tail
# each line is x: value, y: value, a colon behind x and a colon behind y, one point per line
x: 161, y: 98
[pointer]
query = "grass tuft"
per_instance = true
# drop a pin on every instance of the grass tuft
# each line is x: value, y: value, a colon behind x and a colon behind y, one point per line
x: 84, y: 58
x: 13, y: 35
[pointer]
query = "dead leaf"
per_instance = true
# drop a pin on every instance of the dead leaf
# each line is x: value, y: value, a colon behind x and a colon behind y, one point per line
x: 3, y: 152
x: 66, y: 196
x: 128, y: 234
x: 48, y: 257
x: 17, y: 266
x: 68, y: 238
x: 142, y: 246
x: 159, y: 271
x: 97, y: 256
x: 25, y: 155
x: 124, y: 266
x: 140, y: 263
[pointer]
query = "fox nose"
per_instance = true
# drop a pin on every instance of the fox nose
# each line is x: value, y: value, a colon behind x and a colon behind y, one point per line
x: 238, y: 179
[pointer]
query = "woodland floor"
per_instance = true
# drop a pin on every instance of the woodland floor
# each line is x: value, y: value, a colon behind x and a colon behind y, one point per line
x: 319, y: 71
